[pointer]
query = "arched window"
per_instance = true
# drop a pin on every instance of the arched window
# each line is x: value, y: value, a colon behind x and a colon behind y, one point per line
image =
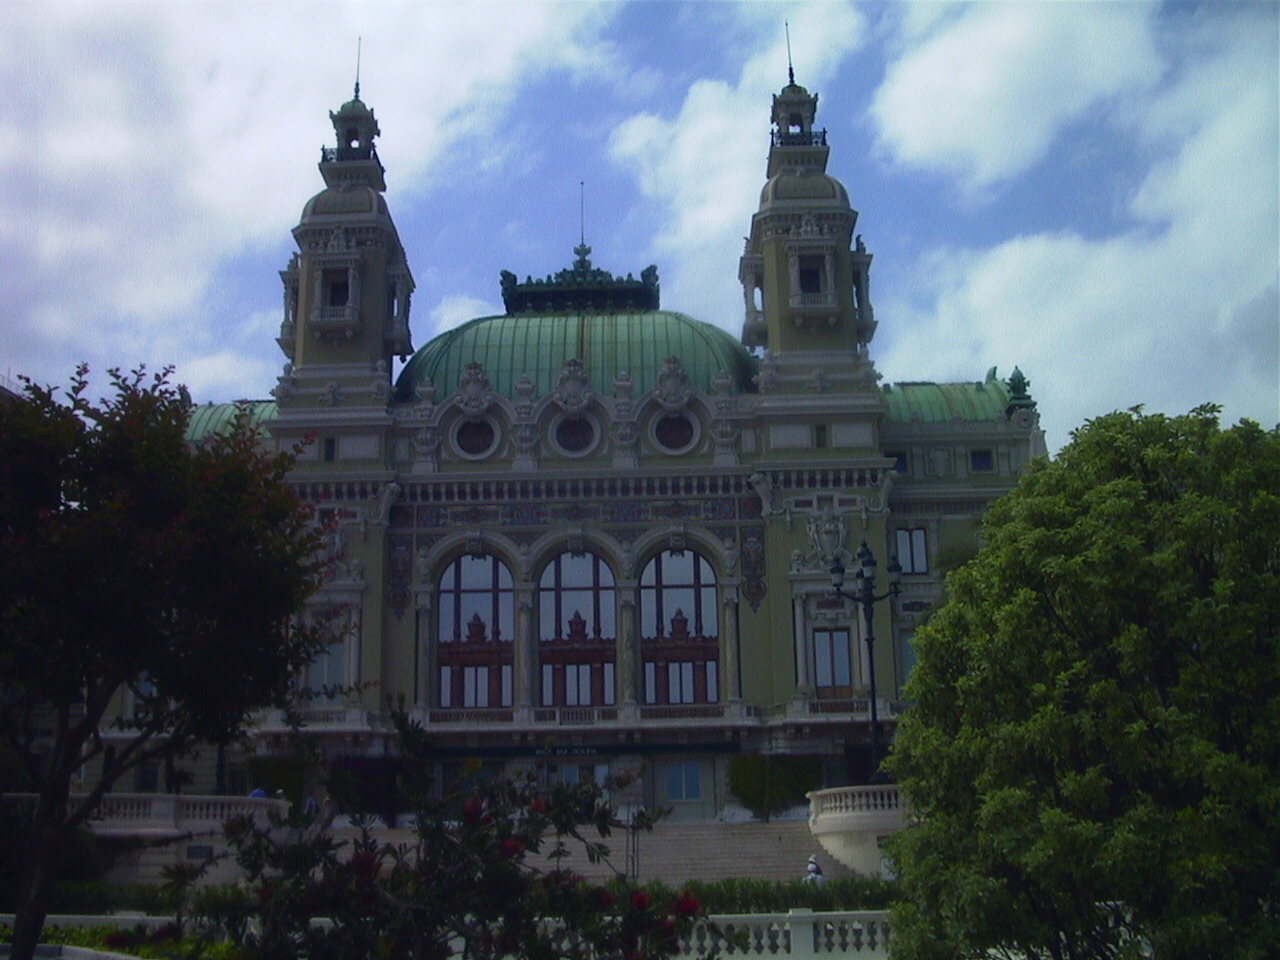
x: 475, y: 617
x: 679, y: 629
x: 577, y: 626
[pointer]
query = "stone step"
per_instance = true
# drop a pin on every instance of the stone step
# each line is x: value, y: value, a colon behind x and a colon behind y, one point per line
x: 692, y: 850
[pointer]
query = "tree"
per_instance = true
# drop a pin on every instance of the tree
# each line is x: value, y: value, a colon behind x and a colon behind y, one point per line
x: 146, y: 583
x: 1092, y: 751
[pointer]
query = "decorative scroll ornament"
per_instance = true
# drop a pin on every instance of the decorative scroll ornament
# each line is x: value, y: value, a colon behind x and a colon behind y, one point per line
x: 573, y: 390
x: 673, y: 389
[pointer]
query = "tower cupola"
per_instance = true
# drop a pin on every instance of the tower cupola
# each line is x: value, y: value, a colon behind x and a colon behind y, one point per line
x: 354, y: 159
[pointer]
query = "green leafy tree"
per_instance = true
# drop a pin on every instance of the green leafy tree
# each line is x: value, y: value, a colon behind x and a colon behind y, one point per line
x: 145, y: 583
x: 1092, y: 752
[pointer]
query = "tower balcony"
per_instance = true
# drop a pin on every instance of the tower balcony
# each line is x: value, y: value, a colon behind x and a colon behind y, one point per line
x: 335, y: 322
x: 800, y: 138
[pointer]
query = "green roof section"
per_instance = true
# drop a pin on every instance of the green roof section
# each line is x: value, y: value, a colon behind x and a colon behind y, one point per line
x: 947, y: 402
x: 638, y: 343
x: 211, y: 419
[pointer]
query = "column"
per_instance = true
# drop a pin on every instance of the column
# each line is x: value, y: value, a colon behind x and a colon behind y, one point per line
x: 524, y: 649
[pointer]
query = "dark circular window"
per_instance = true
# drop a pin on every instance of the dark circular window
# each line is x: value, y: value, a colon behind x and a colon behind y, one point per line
x: 475, y: 438
x: 575, y: 434
x: 673, y: 432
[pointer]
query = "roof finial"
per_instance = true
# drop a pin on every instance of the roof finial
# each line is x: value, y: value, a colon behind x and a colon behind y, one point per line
x: 791, y: 73
x: 358, y: 40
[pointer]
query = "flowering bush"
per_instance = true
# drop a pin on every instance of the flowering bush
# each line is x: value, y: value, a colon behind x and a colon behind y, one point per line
x: 469, y: 882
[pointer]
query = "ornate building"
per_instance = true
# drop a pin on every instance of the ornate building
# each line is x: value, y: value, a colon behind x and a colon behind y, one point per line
x: 600, y: 533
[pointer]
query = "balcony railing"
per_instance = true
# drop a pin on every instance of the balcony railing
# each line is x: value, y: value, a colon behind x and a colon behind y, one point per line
x: 801, y: 934
x: 795, y: 138
x: 167, y: 814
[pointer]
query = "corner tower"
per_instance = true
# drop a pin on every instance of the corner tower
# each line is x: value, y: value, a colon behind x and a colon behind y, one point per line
x: 347, y: 289
x: 805, y: 282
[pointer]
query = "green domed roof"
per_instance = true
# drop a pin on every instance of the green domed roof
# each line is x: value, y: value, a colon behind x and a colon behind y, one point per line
x: 927, y: 402
x: 211, y: 419
x: 509, y: 347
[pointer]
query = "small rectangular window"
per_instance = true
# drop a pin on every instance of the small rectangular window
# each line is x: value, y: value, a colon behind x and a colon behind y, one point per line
x: 506, y: 684
x: 820, y: 436
x: 548, y: 685
x: 330, y: 449
x: 683, y: 780
x: 981, y: 461
x: 899, y: 461
x: 913, y: 555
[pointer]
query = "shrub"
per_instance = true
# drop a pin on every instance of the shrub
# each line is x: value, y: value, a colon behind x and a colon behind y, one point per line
x: 766, y: 784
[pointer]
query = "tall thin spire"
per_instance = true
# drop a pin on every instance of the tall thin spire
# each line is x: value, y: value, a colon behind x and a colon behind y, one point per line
x: 358, y: 42
x: 582, y: 212
x: 791, y: 73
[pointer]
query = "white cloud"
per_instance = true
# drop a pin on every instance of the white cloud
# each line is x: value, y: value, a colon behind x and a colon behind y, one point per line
x: 453, y: 311
x: 705, y: 166
x: 984, y: 94
x: 1177, y: 311
x: 148, y: 145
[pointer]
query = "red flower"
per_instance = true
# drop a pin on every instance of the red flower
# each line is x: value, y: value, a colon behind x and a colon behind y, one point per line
x: 686, y: 905
x: 511, y: 848
x: 536, y: 805
x: 604, y: 899
x: 472, y: 810
x: 640, y: 900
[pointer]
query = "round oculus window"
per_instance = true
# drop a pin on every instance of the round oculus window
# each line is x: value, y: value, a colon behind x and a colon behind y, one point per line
x: 475, y: 438
x: 674, y: 432
x: 575, y: 435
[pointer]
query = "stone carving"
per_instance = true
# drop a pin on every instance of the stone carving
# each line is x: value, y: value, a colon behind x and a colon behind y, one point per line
x: 673, y: 389
x: 285, y: 383
x: 386, y: 500
x: 763, y: 486
x: 827, y: 534
x: 474, y: 395
x: 426, y: 396
x: 525, y: 389
x: 426, y: 443
x: 573, y: 390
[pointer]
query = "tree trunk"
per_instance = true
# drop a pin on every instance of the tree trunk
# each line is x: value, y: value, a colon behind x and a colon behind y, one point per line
x: 40, y: 863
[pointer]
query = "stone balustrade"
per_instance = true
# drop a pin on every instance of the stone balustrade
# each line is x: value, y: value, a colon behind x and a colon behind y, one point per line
x: 850, y: 823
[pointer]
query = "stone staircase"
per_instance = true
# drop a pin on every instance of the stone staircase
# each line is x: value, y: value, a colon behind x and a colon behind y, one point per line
x: 675, y: 852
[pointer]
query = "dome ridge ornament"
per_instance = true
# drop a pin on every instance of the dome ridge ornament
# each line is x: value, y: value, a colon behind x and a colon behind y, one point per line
x: 581, y: 288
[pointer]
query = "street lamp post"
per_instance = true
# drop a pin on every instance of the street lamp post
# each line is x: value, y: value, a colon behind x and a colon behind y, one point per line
x: 865, y: 595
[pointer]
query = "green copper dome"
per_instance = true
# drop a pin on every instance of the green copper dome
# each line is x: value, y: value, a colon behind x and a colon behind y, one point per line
x: 539, y: 345
x: 210, y: 419
x: 988, y: 399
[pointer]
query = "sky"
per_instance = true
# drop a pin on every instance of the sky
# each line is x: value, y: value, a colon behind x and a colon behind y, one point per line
x: 1087, y: 190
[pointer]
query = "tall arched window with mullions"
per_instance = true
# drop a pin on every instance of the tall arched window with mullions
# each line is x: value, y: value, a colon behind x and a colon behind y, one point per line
x: 679, y: 629
x: 475, y: 622
x: 577, y: 627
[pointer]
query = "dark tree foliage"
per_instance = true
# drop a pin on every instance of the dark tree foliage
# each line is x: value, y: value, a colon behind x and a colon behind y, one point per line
x: 1093, y: 746
x: 483, y: 878
x: 146, y: 588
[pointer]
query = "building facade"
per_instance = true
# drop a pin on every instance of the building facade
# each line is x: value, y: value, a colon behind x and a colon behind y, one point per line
x: 597, y: 533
